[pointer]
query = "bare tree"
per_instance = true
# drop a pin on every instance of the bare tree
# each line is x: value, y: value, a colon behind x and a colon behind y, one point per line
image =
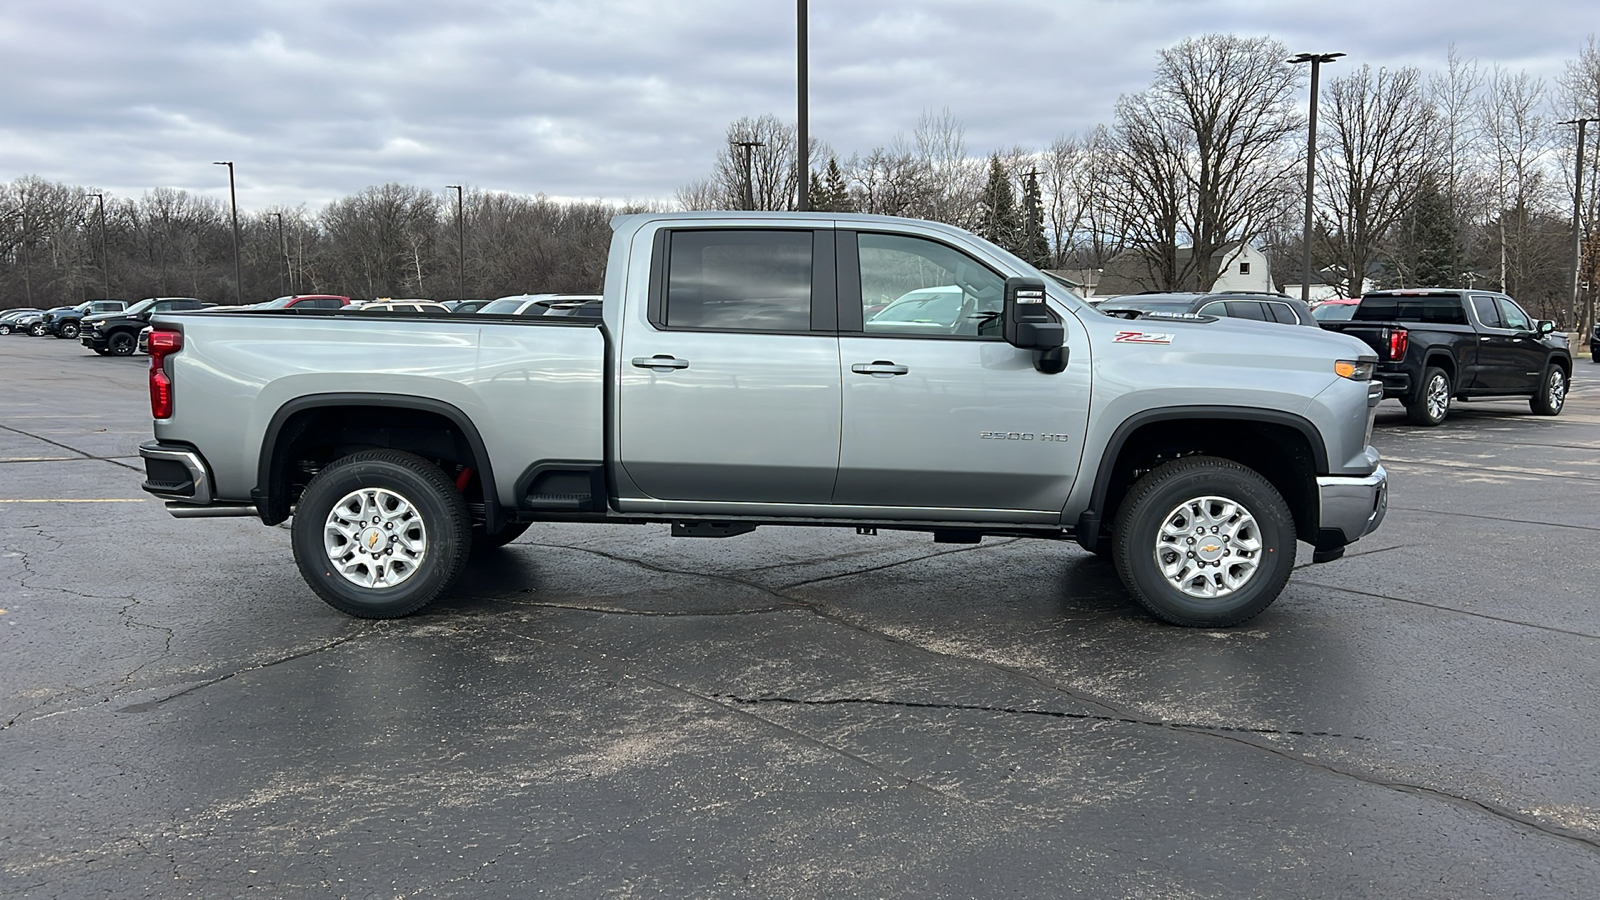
x: 1203, y: 154
x: 1375, y: 163
x: 1518, y: 133
x: 1458, y: 140
x: 1579, y: 91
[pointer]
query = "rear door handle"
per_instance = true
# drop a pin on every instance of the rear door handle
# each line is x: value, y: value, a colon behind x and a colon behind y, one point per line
x: 883, y: 367
x: 660, y: 362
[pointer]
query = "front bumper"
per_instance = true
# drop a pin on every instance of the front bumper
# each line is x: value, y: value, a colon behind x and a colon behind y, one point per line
x: 179, y: 476
x: 1351, y: 507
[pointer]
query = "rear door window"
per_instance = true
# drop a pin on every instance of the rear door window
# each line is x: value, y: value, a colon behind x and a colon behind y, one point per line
x: 1488, y: 314
x: 739, y: 280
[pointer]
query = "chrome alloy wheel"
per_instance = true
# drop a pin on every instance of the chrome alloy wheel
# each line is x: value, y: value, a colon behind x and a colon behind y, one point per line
x: 374, y: 538
x: 1438, y: 397
x: 1208, y: 547
x: 1556, y: 392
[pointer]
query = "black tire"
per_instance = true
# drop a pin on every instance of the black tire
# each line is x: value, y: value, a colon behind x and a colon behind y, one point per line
x: 67, y: 331
x: 1594, y: 355
x: 1168, y: 499
x: 122, y: 343
x: 1552, y: 392
x: 430, y: 508
x: 1432, y: 405
x: 484, y: 543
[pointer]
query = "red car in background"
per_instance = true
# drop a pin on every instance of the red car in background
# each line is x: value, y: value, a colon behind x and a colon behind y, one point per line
x: 310, y: 301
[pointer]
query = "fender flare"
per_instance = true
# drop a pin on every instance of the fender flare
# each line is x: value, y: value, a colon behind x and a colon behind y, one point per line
x: 272, y: 502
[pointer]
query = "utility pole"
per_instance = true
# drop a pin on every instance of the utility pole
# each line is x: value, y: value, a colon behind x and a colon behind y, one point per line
x: 749, y: 178
x: 461, y: 243
x: 233, y: 197
x: 105, y: 265
x: 803, y: 153
x: 1577, y: 225
x: 284, y: 277
x: 1316, y: 60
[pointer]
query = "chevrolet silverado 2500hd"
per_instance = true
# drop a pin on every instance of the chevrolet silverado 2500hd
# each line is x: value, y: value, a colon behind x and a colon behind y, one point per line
x: 753, y: 369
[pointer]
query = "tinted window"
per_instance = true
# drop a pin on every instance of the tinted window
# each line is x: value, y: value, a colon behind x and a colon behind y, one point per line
x: 1246, y: 309
x: 1282, y: 313
x: 1513, y: 315
x: 1488, y: 313
x: 916, y: 286
x: 1444, y: 309
x: 739, y: 280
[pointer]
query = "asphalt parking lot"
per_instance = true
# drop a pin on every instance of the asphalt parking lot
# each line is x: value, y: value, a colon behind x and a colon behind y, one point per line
x: 794, y: 713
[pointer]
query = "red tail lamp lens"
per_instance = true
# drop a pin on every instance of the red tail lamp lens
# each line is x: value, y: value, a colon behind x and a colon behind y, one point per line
x: 1399, y: 340
x: 162, y: 344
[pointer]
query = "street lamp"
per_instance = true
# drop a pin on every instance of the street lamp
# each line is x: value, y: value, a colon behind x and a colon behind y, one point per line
x: 461, y: 242
x: 1577, y: 219
x: 233, y: 196
x: 105, y: 264
x: 803, y: 158
x: 283, y: 248
x: 1316, y: 60
x: 749, y: 187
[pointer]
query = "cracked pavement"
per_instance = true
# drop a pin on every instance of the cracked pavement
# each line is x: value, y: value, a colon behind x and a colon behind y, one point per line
x: 610, y: 712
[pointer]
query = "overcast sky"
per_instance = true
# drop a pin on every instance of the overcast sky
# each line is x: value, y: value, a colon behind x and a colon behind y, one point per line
x: 622, y: 99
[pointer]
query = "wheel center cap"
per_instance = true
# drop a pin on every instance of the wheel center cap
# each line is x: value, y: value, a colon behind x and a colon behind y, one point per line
x: 371, y: 538
x: 1209, y: 550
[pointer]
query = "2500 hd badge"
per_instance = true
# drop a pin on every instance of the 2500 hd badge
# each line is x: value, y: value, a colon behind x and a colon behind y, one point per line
x: 1019, y: 436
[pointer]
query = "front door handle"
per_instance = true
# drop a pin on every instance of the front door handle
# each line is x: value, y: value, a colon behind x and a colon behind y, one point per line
x: 660, y: 362
x: 879, y: 368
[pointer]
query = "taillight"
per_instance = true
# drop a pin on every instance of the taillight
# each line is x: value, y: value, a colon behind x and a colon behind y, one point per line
x: 161, y: 345
x: 1399, y: 340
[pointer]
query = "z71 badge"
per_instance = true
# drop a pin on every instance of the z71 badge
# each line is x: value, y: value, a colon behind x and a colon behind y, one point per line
x: 1141, y: 337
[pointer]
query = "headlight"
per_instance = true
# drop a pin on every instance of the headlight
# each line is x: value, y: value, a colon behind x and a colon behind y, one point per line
x: 1355, y: 369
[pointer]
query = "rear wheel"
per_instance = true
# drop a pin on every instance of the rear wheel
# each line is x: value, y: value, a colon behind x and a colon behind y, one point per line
x: 1204, y: 542
x: 381, y: 534
x: 121, y: 343
x: 1433, y: 401
x: 36, y: 329
x: 5, y: 327
x: 1552, y: 392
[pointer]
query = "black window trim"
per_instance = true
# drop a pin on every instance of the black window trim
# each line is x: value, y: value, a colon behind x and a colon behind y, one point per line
x: 824, y: 293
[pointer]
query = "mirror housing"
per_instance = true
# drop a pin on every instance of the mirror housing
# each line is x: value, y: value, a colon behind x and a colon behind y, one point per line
x: 1029, y: 324
x: 1543, y: 326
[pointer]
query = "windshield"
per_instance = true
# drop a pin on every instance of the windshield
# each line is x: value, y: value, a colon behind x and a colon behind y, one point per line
x: 1334, y: 312
x: 141, y: 306
x: 504, y: 306
x: 280, y: 303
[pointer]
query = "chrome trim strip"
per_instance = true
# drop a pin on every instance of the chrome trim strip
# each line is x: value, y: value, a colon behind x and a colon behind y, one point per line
x: 1354, y: 505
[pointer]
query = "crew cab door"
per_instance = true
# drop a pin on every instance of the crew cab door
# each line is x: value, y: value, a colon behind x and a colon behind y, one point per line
x: 940, y: 413
x: 729, y: 391
x: 1510, y: 356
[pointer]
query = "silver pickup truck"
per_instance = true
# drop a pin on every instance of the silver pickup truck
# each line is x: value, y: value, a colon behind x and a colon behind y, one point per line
x: 752, y: 369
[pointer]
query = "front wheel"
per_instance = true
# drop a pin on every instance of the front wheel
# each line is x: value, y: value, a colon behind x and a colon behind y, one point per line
x: 1552, y: 392
x: 381, y: 534
x: 1433, y: 401
x: 67, y: 331
x: 121, y: 343
x: 1204, y: 542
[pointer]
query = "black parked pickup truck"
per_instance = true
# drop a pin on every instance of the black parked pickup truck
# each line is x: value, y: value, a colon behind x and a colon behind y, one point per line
x: 117, y: 333
x: 1436, y: 344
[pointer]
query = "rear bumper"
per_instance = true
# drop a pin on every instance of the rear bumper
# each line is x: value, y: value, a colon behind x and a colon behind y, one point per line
x: 1352, y: 507
x: 1395, y: 384
x: 179, y: 476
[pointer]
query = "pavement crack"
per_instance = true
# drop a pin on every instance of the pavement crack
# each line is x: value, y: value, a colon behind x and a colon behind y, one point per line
x: 1451, y: 609
x: 80, y: 453
x: 643, y: 613
x: 892, y: 565
x: 1043, y: 713
x: 291, y: 657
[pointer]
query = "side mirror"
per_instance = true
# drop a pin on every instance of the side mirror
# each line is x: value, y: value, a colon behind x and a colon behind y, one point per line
x: 1028, y: 322
x: 1544, y: 326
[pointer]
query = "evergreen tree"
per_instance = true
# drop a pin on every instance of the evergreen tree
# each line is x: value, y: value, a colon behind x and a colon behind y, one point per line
x: 997, y: 207
x: 828, y: 192
x: 1427, y: 245
x: 1034, y: 246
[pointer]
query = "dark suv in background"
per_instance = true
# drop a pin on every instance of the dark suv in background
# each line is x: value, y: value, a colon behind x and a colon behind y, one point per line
x: 117, y: 334
x: 63, y: 321
x: 1233, y: 304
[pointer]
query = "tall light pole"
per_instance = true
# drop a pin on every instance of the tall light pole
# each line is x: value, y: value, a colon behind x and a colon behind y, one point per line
x: 105, y: 264
x: 283, y: 277
x: 803, y: 156
x: 461, y: 242
x: 233, y: 196
x: 749, y: 178
x: 1316, y: 60
x: 1577, y: 224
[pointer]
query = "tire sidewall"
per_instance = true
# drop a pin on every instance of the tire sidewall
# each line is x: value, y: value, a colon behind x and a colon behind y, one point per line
x: 444, y: 517
x: 1144, y: 511
x: 121, y: 343
x: 1541, y: 401
x: 67, y: 331
x: 1419, y: 412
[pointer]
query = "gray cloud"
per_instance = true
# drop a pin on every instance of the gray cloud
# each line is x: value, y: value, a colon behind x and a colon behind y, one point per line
x: 618, y: 99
